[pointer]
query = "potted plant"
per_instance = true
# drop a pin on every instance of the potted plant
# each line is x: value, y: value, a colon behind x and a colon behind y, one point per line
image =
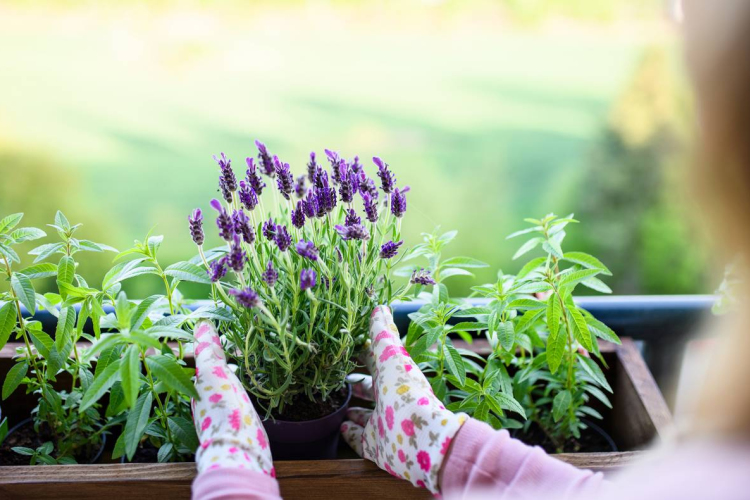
x: 539, y: 377
x: 301, y: 277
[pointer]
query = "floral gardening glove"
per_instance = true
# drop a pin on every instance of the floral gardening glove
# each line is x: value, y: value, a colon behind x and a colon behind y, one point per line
x: 410, y: 431
x: 229, y: 429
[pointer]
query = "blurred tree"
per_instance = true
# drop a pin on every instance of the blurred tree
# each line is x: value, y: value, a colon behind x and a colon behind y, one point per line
x: 630, y: 200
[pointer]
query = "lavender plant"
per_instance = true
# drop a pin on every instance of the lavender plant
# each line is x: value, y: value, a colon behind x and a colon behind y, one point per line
x: 301, y: 274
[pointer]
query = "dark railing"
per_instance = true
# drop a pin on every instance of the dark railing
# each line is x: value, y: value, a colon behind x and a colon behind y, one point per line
x: 663, y: 324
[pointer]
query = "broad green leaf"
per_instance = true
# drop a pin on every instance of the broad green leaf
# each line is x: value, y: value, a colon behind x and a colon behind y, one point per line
x: 173, y: 375
x: 130, y: 374
x: 531, y: 287
x: 469, y: 326
x: 590, y: 367
x: 142, y: 311
x: 43, y: 270
x: 65, y: 324
x: 90, y: 246
x: 66, y: 270
x: 108, y: 355
x: 43, y: 343
x: 7, y: 322
x: 552, y: 247
x: 554, y: 312
x: 101, y: 384
x: 507, y: 402
x: 556, y: 349
x: 169, y: 332
x: 164, y: 453
x: 561, y: 404
x: 24, y: 290
x: 13, y: 378
x: 185, y: 271
x: 581, y: 329
x: 27, y: 234
x: 576, y: 277
x: 587, y: 260
x: 482, y: 411
x: 9, y: 222
x: 527, y: 247
x: 455, y: 363
x: 136, y: 423
x: 527, y: 304
x: 463, y: 262
x: 184, y: 430
x: 9, y: 253
x: 596, y: 284
x: 601, y: 330
x: 530, y: 266
x: 44, y: 251
x: 506, y: 335
x: 471, y: 312
x: 527, y: 320
x: 61, y: 221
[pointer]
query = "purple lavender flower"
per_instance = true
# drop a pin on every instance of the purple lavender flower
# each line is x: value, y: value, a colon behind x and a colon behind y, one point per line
x: 307, y: 279
x: 225, y: 192
x: 270, y: 275
x: 298, y: 215
x: 387, y: 179
x: 227, y: 176
x: 300, y: 189
x: 196, y: 226
x: 422, y: 277
x: 367, y: 186
x: 356, y: 166
x: 248, y: 198
x: 390, y: 249
x: 217, y: 269
x: 326, y: 195
x: 285, y: 179
x: 243, y: 227
x: 223, y: 221
x: 236, y: 257
x: 348, y: 186
x: 312, y: 168
x: 269, y: 229
x: 266, y: 162
x: 253, y: 177
x: 311, y: 204
x: 371, y: 208
x: 355, y: 232
x: 246, y: 298
x: 282, y: 238
x: 307, y: 250
x: 335, y: 160
x: 352, y: 218
x: 398, y: 202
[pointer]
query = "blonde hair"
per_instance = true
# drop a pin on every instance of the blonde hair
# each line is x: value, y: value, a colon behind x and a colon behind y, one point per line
x: 718, y: 55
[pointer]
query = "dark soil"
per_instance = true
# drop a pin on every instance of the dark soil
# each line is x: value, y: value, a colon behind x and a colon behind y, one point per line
x: 303, y: 408
x: 27, y: 437
x: 591, y: 441
x: 145, y: 454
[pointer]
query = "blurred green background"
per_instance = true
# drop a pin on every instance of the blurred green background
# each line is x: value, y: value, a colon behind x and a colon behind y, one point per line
x: 491, y: 111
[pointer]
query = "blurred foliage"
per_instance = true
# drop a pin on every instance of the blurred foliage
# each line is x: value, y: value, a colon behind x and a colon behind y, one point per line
x: 632, y: 193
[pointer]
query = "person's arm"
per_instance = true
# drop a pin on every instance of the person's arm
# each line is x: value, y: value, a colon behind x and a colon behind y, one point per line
x: 412, y: 435
x: 234, y: 459
x: 482, y: 459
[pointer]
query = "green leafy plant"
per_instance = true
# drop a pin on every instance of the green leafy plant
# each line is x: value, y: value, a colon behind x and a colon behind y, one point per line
x: 540, y: 364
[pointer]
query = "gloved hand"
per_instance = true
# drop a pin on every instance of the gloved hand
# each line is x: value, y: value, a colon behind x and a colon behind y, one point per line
x: 409, y: 432
x: 229, y: 429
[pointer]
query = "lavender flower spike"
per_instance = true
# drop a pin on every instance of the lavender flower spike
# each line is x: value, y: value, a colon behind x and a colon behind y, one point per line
x: 243, y: 227
x: 422, y: 277
x: 227, y: 174
x: 312, y: 168
x: 355, y: 232
x: 299, y: 187
x: 247, y: 195
x: 398, y: 202
x: 270, y: 275
x: 285, y: 179
x: 387, y: 179
x: 352, y: 218
x: 236, y: 257
x: 253, y: 177
x: 269, y: 229
x: 283, y: 239
x: 390, y: 249
x: 196, y: 226
x: 246, y: 298
x: 307, y: 279
x: 265, y: 159
x: 298, y: 215
x: 349, y: 182
x: 217, y: 269
x: 223, y: 221
x: 371, y: 208
x: 307, y: 250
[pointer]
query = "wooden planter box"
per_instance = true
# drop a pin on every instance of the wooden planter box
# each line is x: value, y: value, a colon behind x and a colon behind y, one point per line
x: 639, y: 416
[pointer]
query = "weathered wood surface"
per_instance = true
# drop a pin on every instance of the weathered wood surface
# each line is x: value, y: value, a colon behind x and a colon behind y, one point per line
x: 320, y: 479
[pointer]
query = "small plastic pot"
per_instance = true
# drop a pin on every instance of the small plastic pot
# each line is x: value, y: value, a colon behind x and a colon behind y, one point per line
x: 308, y: 440
x: 29, y: 421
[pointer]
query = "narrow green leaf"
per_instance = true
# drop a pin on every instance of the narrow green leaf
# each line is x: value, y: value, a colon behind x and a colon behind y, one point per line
x: 130, y: 375
x: 13, y: 378
x: 142, y: 311
x: 43, y: 270
x: 455, y: 363
x: 527, y: 304
x: 43, y: 343
x: 523, y: 231
x: 61, y: 221
x: 27, y: 234
x: 596, y: 284
x: 7, y: 322
x: 554, y: 313
x: 44, y: 251
x: 169, y: 332
x: 9, y: 253
x: 65, y: 324
x: 463, y: 262
x: 136, y: 423
x: 9, y: 222
x: 590, y: 367
x: 556, y: 349
x: 173, y: 375
x: 185, y: 271
x: 508, y: 402
x: 184, y: 430
x: 506, y: 335
x: 581, y: 329
x: 561, y: 404
x: 101, y: 384
x: 587, y: 260
x: 601, y: 330
x: 527, y: 247
x: 576, y: 277
x: 24, y: 290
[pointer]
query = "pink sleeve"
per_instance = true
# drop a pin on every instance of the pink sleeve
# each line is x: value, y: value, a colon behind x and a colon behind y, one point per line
x: 232, y: 483
x: 485, y: 460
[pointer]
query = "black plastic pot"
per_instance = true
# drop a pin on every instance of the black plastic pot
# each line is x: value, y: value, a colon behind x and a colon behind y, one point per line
x: 92, y: 461
x: 309, y: 440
